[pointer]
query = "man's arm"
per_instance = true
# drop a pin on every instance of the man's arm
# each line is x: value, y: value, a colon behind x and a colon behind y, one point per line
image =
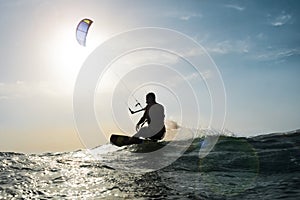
x: 142, y: 120
x: 133, y: 112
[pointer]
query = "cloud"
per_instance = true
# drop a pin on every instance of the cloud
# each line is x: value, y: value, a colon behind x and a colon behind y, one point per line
x: 189, y: 16
x: 229, y: 46
x: 185, y: 16
x: 21, y: 89
x: 194, y: 52
x: 277, y: 54
x: 4, y: 97
x: 261, y: 36
x: 281, y: 19
x: 13, y: 3
x: 235, y: 7
x: 174, y: 81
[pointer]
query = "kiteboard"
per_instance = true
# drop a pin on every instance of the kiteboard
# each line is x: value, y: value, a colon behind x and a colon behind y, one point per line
x: 123, y: 140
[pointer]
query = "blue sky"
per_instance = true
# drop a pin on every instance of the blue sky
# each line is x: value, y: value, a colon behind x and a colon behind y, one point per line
x: 255, y: 45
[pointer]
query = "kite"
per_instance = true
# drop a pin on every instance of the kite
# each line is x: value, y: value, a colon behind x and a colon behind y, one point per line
x: 82, y: 30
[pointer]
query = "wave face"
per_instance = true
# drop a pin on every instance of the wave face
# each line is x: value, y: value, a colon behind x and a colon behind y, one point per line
x: 262, y: 167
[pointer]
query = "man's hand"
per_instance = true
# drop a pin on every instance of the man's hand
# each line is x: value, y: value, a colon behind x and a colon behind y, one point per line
x: 137, y: 127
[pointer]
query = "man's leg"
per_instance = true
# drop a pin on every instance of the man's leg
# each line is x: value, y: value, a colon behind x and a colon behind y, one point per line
x: 160, y: 135
x: 144, y: 132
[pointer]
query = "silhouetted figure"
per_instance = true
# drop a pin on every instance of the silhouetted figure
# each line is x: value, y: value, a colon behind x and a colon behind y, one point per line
x: 154, y: 115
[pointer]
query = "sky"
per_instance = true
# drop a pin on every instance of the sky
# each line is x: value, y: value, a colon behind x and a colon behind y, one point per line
x: 254, y: 44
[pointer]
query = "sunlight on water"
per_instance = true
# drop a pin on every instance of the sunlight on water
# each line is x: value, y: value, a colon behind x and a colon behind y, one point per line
x: 237, y: 168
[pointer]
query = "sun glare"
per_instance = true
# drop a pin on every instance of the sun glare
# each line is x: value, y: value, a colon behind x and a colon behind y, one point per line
x: 68, y: 56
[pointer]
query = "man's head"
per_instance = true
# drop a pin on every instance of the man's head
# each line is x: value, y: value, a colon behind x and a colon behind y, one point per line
x: 150, y: 98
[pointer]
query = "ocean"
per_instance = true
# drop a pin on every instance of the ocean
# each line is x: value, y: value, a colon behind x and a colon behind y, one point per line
x: 260, y: 167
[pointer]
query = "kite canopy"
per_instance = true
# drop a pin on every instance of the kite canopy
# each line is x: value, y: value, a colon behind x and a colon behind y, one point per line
x: 82, y: 30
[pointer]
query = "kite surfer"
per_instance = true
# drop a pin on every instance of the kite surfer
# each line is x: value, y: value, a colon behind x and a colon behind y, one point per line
x: 154, y: 116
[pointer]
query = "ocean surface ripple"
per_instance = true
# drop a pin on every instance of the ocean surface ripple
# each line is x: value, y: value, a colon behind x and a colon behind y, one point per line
x: 261, y: 167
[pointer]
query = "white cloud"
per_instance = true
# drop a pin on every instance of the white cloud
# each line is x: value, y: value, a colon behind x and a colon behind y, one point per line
x: 195, y: 75
x: 281, y: 19
x: 4, y: 97
x: 235, y: 7
x: 185, y: 16
x: 176, y: 80
x: 206, y: 74
x: 228, y: 46
x: 261, y: 36
x: 277, y: 54
x: 194, y: 52
x: 21, y: 89
x: 189, y: 16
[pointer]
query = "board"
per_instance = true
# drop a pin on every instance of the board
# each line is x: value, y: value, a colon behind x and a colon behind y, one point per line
x: 122, y: 140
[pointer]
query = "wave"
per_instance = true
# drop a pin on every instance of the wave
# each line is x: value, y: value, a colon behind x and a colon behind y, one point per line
x: 245, y: 167
x: 269, y: 153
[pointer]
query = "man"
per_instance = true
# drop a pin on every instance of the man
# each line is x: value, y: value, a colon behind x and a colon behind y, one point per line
x: 154, y: 116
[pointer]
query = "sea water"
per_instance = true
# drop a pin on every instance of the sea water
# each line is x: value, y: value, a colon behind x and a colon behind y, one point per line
x: 262, y: 167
